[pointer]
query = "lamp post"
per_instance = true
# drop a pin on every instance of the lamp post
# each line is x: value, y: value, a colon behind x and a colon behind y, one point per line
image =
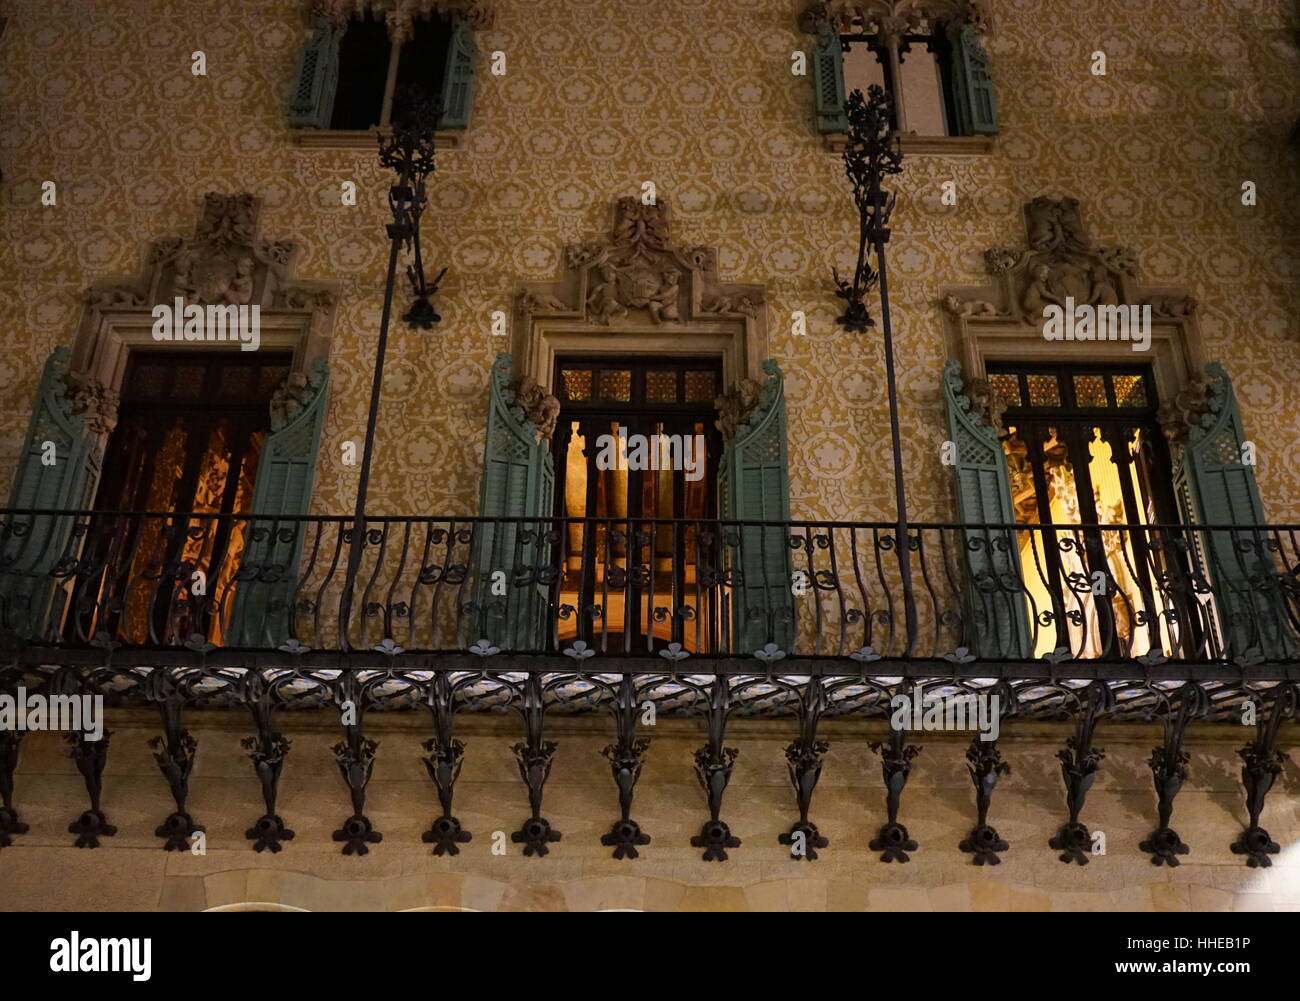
x: 408, y: 151
x: 871, y: 153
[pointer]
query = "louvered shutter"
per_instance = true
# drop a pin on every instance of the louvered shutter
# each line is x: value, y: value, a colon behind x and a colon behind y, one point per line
x: 1216, y: 486
x: 36, y: 550
x: 754, y: 485
x: 458, y: 77
x: 977, y: 106
x: 265, y: 597
x: 316, y: 77
x: 997, y: 623
x: 511, y: 556
x: 828, y: 81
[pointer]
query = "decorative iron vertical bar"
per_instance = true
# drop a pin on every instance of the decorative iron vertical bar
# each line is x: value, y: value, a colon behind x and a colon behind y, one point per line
x: 1169, y: 771
x: 9, y: 742
x: 534, y: 757
x: 626, y: 758
x: 443, y: 762
x: 893, y: 841
x: 871, y: 152
x: 409, y: 151
x: 355, y: 756
x: 267, y: 751
x: 1079, y: 762
x: 174, y: 752
x: 90, y: 757
x: 985, y: 764
x: 1263, y: 764
x: 804, y: 759
x: 713, y: 764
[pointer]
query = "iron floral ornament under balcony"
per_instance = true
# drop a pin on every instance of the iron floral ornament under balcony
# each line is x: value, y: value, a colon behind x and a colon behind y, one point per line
x: 1192, y: 622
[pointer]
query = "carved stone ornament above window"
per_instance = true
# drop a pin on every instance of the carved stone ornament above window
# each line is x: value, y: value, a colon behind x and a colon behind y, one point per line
x: 897, y: 17
x: 400, y: 13
x: 1004, y: 318
x: 225, y: 263
x: 637, y: 291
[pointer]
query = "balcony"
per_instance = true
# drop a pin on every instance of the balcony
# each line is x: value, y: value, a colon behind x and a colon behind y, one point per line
x: 1172, y: 602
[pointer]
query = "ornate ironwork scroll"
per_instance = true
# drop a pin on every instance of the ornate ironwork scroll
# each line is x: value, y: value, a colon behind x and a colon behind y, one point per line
x: 267, y: 750
x: 713, y: 764
x: 626, y: 758
x: 1079, y: 762
x: 1169, y: 771
x: 1262, y: 765
x: 534, y: 757
x: 174, y: 752
x: 443, y: 762
x: 985, y: 764
x: 804, y: 759
x: 355, y: 756
x: 896, y: 756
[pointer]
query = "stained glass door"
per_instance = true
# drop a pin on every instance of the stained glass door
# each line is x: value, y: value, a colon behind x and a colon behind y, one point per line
x: 636, y: 453
x: 1085, y: 450
x: 189, y: 432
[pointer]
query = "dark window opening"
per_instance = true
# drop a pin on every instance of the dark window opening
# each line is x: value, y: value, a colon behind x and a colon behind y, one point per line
x: 366, y: 58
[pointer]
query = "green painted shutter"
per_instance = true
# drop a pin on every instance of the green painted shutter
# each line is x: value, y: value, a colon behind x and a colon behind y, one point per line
x: 972, y: 84
x: 458, y: 77
x: 264, y: 599
x: 754, y: 485
x: 316, y: 77
x: 518, y: 485
x: 998, y: 625
x: 31, y: 599
x: 828, y: 81
x: 1216, y: 487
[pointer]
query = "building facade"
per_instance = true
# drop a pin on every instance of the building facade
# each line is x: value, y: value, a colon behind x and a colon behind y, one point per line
x: 631, y: 473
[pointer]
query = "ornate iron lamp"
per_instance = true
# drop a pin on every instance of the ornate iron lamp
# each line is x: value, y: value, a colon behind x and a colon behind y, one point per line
x: 870, y: 154
x: 408, y: 150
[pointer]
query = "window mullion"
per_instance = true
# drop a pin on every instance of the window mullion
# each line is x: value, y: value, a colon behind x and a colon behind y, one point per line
x: 890, y: 30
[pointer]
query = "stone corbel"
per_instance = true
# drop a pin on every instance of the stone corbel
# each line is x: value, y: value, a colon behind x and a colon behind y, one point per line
x: 400, y: 13
x: 892, y: 15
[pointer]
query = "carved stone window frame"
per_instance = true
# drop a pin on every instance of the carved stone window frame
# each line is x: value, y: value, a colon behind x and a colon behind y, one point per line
x: 990, y: 323
x: 296, y: 316
x: 636, y: 294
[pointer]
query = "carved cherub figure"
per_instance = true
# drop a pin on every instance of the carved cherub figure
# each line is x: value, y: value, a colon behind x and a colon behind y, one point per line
x: 1104, y: 292
x: 734, y: 406
x: 604, y: 301
x: 240, y: 289
x: 985, y: 402
x: 539, y: 406
x: 663, y: 304
x: 1039, y: 294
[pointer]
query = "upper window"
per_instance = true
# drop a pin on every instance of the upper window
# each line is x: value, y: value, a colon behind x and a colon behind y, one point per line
x: 357, y: 75
x: 936, y: 73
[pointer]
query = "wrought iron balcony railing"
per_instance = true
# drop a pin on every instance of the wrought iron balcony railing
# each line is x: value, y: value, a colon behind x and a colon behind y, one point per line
x: 229, y: 586
x: 714, y: 619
